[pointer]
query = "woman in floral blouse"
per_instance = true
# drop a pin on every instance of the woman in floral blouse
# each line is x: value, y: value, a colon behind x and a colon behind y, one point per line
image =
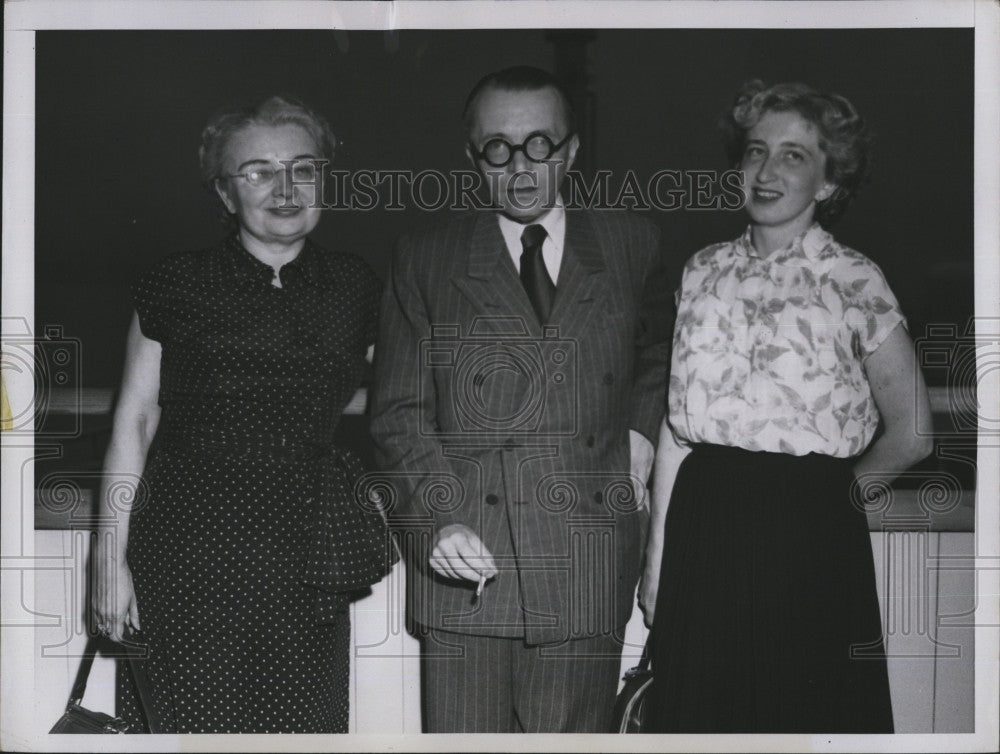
x: 789, y: 353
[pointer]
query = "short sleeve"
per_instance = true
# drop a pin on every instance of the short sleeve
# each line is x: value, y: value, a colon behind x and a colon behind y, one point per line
x: 150, y: 294
x: 870, y: 307
x: 363, y: 295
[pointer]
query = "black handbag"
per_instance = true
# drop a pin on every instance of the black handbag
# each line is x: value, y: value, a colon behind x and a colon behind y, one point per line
x: 79, y: 719
x: 630, y: 706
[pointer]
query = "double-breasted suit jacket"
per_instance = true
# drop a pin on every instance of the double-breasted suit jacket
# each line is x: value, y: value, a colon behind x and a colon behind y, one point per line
x: 483, y: 416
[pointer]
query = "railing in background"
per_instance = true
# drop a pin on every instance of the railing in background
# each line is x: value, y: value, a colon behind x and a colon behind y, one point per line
x: 941, y: 503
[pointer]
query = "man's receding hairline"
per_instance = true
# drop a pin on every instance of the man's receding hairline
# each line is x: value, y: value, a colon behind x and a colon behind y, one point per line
x: 473, y: 109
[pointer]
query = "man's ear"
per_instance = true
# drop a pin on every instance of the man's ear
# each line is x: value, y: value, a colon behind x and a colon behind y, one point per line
x: 220, y: 189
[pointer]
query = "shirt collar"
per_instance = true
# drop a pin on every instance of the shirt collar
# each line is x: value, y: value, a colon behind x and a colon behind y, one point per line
x: 239, y: 268
x: 554, y: 222
x: 805, y: 248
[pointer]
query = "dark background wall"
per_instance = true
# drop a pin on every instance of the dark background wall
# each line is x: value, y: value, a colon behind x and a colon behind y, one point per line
x: 119, y: 116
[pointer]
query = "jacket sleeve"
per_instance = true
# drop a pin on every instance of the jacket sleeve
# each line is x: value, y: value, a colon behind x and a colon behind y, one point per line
x: 653, y: 337
x: 429, y: 488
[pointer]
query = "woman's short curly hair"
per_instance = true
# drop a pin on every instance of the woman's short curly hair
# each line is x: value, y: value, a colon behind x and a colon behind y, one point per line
x: 273, y: 111
x: 844, y: 136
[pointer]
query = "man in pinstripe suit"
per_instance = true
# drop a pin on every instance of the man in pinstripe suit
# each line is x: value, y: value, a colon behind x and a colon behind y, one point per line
x: 519, y: 387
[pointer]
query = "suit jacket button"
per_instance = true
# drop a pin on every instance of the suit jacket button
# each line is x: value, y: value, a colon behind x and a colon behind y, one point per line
x: 609, y: 379
x: 598, y: 497
x: 590, y: 441
x: 492, y: 499
x: 509, y: 445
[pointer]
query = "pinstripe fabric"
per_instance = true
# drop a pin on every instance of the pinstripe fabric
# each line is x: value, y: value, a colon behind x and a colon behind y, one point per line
x: 535, y: 462
x: 476, y: 684
x: 482, y: 417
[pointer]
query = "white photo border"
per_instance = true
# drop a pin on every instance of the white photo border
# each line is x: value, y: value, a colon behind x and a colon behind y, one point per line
x: 18, y: 728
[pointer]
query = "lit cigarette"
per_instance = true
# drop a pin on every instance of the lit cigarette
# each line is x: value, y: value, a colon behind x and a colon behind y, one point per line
x: 482, y: 583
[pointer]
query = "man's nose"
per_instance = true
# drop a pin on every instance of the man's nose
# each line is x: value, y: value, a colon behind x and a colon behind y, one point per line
x: 520, y: 161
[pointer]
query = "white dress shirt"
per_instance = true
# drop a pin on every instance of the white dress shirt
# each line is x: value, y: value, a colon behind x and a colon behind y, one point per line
x: 554, y: 222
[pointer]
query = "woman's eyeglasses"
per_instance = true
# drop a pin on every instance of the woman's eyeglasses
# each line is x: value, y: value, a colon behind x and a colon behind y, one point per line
x: 303, y: 171
x: 499, y: 152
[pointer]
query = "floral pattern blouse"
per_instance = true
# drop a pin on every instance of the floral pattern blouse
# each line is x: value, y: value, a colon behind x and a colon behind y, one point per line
x: 768, y: 352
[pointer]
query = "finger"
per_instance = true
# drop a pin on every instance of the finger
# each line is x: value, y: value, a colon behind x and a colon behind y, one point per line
x: 476, y: 556
x: 452, y: 553
x: 474, y: 566
x: 468, y: 571
x: 462, y: 568
x: 462, y: 555
x: 441, y: 566
x: 442, y: 555
x: 133, y: 615
x: 438, y: 565
x: 440, y: 561
x: 116, y: 630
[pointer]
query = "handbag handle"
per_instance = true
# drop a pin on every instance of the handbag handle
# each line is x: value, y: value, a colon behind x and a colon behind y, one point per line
x: 642, y: 667
x: 136, y: 670
x: 83, y: 673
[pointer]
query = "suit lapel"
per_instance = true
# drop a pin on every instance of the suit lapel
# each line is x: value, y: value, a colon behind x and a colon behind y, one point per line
x: 490, y: 280
x: 491, y: 283
x: 582, y: 277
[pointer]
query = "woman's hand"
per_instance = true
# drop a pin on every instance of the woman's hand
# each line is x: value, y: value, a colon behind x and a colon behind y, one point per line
x: 114, y: 597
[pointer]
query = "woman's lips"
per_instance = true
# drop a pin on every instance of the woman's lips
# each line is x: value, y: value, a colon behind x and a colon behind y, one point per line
x: 285, y: 211
x: 765, y: 195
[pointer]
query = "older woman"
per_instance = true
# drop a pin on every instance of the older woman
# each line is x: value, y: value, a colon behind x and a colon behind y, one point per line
x: 789, y: 353
x: 244, y: 542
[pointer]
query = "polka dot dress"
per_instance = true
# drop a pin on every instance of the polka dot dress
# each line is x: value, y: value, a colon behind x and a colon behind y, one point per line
x: 253, y: 380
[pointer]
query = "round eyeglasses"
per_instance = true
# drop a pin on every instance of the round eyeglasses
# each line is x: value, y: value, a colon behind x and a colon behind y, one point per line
x: 303, y: 171
x: 537, y: 147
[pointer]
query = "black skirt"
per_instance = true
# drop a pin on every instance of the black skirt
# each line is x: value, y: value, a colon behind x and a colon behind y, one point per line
x: 767, y: 619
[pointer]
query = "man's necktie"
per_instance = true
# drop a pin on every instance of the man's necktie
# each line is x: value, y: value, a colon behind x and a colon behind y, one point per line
x: 534, y: 277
